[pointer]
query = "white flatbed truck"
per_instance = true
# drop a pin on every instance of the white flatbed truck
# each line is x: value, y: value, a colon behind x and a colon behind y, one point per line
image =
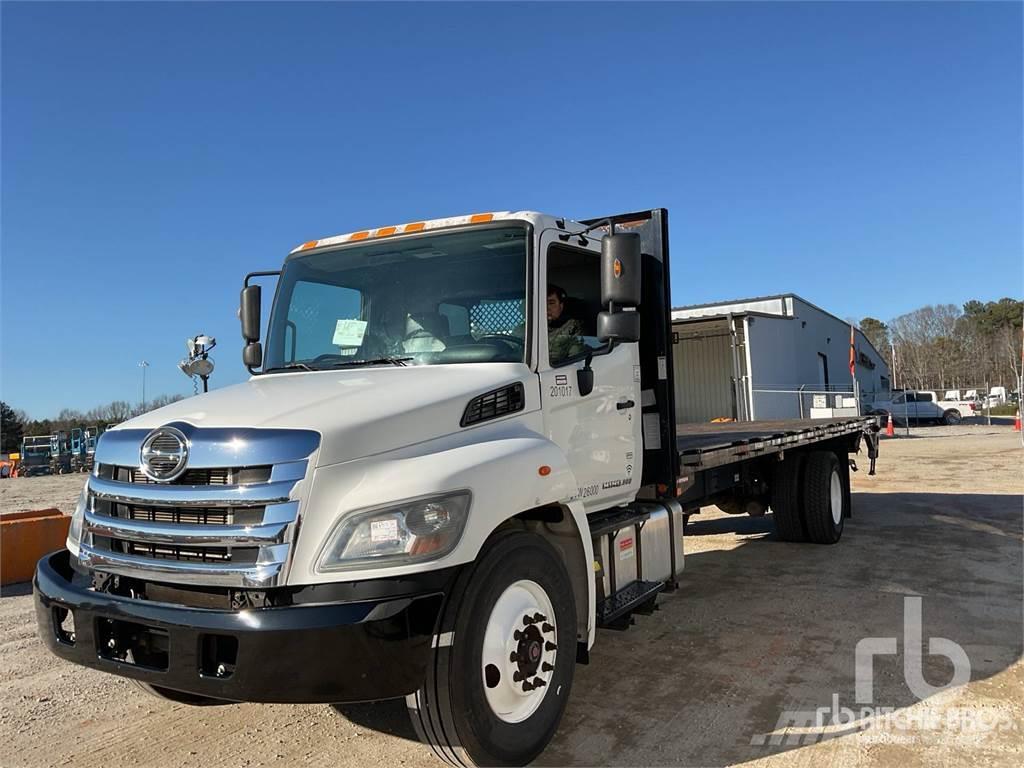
x: 420, y: 493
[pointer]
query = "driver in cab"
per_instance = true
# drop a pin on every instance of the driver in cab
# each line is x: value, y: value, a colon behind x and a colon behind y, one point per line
x: 565, y: 334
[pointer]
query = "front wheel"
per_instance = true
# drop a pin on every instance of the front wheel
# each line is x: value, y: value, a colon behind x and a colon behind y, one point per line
x: 504, y: 657
x: 951, y: 417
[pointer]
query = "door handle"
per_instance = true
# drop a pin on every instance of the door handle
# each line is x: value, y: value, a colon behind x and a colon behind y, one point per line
x: 624, y: 404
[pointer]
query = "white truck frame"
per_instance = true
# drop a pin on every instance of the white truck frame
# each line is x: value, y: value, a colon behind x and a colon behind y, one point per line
x: 450, y: 523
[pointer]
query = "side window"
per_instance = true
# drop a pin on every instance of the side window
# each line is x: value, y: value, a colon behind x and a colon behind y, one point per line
x: 315, y: 320
x: 898, y: 400
x: 924, y: 397
x: 573, y: 303
x: 458, y: 318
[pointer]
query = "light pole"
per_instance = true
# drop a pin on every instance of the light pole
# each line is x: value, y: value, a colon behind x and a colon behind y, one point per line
x: 144, y: 365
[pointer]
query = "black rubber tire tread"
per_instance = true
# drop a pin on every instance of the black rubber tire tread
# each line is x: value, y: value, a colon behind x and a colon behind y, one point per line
x: 431, y: 708
x: 818, y: 469
x: 787, y: 499
x: 178, y: 697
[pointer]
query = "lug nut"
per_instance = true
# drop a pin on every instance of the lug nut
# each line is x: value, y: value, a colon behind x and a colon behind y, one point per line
x: 545, y: 628
x: 539, y: 617
x: 513, y: 657
x: 549, y: 646
x: 538, y: 683
x: 545, y: 667
x: 527, y: 621
x: 516, y: 677
x: 517, y: 635
x: 527, y: 687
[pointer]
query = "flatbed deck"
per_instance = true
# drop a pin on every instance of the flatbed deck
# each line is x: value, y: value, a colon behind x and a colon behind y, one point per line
x: 714, y: 445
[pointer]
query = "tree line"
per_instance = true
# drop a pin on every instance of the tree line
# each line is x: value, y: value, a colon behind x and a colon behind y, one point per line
x: 15, y: 424
x: 944, y: 346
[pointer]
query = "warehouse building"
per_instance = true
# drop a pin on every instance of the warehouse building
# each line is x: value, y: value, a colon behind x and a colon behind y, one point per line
x: 771, y: 357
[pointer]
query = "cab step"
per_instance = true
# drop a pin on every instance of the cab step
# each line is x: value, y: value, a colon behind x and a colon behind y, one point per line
x: 636, y: 597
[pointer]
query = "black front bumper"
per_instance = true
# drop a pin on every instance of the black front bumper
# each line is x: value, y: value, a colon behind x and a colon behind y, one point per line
x: 329, y: 652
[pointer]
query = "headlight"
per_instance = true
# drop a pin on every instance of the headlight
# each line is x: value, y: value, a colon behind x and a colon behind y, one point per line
x: 75, y: 529
x: 409, y: 532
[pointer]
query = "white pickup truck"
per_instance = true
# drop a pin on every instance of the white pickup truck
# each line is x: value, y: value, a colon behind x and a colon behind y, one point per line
x: 923, y: 406
x: 434, y: 486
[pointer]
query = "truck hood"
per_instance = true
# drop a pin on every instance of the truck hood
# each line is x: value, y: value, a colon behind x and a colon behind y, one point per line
x: 358, y: 412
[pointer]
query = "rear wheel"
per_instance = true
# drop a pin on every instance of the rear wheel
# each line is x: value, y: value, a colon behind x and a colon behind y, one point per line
x: 951, y: 417
x: 786, y: 502
x: 504, y: 657
x: 824, y: 498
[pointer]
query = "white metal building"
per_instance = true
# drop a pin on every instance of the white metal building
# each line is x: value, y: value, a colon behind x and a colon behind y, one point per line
x: 771, y: 357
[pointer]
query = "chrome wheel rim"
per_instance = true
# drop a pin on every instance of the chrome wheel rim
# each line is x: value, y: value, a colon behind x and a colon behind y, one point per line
x: 520, y: 644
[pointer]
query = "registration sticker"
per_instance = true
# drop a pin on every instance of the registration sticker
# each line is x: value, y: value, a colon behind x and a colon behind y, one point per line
x: 349, y: 333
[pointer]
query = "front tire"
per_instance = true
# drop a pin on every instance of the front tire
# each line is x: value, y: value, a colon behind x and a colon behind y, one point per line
x: 504, y: 657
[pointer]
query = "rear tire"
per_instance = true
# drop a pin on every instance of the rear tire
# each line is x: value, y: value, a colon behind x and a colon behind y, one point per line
x: 471, y: 710
x: 786, y: 502
x: 951, y: 418
x: 824, y: 498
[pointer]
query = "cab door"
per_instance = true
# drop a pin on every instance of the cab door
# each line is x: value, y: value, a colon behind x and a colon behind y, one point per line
x: 600, y: 432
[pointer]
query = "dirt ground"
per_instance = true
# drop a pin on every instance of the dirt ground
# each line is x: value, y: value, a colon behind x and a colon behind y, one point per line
x: 18, y: 494
x: 758, y: 631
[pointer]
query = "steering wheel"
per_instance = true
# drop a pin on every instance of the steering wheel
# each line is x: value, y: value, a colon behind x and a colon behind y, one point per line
x: 517, y: 344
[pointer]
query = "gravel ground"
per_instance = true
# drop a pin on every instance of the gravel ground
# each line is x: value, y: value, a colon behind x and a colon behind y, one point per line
x: 42, y: 492
x: 758, y: 627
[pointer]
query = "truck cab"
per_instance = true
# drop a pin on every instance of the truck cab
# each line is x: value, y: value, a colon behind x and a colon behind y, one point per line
x: 456, y: 457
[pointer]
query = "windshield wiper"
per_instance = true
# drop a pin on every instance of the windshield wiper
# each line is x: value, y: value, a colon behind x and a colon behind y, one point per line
x: 291, y: 367
x: 400, y: 361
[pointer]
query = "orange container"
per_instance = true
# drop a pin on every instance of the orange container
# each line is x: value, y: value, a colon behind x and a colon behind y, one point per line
x: 25, y: 537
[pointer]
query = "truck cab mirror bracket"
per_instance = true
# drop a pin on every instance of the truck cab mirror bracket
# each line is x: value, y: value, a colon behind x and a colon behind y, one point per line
x: 585, y: 377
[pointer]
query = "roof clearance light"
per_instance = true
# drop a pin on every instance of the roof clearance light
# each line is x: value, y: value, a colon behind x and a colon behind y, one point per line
x: 309, y: 244
x: 416, y: 226
x: 480, y: 218
x: 359, y: 235
x: 385, y: 231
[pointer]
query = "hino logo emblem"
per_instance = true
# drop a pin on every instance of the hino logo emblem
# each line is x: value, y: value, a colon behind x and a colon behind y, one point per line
x: 164, y: 454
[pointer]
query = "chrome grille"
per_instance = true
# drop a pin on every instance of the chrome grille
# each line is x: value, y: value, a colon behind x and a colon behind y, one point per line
x: 221, y: 523
x: 208, y: 476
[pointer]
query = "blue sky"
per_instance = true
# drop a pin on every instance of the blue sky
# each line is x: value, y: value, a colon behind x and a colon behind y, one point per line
x: 865, y: 156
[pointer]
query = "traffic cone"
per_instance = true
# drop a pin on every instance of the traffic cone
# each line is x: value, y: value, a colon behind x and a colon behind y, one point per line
x: 889, y: 430
x: 1016, y: 422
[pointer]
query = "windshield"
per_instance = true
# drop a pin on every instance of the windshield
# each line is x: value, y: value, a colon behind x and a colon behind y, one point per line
x: 457, y: 297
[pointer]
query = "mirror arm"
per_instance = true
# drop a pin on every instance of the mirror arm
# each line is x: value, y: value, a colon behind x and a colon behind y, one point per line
x: 267, y: 273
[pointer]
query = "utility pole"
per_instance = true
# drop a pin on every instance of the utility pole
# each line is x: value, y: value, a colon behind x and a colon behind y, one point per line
x: 144, y: 365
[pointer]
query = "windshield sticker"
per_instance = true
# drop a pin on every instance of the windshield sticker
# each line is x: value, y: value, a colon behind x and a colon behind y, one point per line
x: 349, y: 333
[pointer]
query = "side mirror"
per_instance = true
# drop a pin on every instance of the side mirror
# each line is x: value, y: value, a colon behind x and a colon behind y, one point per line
x: 250, y: 313
x: 620, y: 269
x: 618, y: 326
x: 252, y: 355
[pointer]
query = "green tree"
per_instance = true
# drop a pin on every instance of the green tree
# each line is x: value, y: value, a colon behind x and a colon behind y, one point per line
x: 877, y: 333
x: 12, y: 428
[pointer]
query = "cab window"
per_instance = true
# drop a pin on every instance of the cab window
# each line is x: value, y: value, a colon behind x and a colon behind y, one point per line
x: 573, y: 303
